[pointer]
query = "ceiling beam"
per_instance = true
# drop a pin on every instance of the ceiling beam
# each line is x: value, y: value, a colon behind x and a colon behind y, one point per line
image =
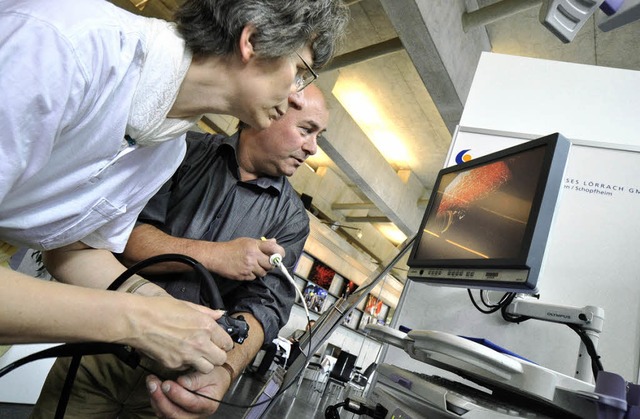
x: 442, y: 53
x: 376, y: 179
x: 367, y: 219
x: 495, y: 12
x: 351, y: 206
x: 347, y: 206
x: 364, y: 54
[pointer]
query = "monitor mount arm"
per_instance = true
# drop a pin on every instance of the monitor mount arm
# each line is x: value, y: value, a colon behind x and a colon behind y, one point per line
x: 588, y: 318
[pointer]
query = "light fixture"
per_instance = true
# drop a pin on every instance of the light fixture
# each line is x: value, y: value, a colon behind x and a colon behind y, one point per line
x: 335, y: 225
x: 391, y: 232
x: 369, y: 111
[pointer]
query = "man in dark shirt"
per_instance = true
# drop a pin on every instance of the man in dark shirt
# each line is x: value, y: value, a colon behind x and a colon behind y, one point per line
x: 227, y: 195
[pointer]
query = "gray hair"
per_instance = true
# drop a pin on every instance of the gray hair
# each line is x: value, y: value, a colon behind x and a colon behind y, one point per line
x: 213, y: 27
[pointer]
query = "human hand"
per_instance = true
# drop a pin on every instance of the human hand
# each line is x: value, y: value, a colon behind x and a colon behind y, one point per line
x: 242, y: 259
x: 177, y: 334
x: 172, y: 399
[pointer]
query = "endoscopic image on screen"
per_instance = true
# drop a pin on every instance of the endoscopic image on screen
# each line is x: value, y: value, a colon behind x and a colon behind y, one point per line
x: 482, y: 212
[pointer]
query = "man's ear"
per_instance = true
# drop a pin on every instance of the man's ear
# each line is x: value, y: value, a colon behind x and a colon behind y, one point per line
x: 246, y: 43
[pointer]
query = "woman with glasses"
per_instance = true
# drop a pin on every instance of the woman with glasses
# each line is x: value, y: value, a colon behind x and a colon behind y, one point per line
x: 96, y: 102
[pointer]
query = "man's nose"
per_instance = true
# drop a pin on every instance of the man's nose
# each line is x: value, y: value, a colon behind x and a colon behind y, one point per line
x: 311, y: 146
x: 296, y: 100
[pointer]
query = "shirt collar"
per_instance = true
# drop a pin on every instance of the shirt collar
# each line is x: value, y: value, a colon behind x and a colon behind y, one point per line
x: 265, y: 182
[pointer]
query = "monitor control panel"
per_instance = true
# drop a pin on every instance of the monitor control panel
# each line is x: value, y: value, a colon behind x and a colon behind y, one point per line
x: 462, y: 274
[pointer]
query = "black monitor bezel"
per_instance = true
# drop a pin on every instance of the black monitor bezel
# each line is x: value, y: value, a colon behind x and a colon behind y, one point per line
x: 536, y: 231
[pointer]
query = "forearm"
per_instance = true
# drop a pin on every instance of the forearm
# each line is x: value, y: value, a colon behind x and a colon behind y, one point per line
x: 241, y: 355
x: 173, y: 332
x: 147, y: 241
x: 78, y: 264
x: 33, y: 310
x: 242, y: 258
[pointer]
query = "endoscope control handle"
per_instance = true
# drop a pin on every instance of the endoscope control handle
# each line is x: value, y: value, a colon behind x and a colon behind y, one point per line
x: 236, y: 327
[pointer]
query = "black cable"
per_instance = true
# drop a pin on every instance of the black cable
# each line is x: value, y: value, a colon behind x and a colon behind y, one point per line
x: 214, y: 299
x: 596, y: 364
x: 211, y: 289
x: 70, y: 349
x: 331, y: 412
x: 268, y: 400
x: 511, y: 318
x: 484, y: 298
x: 475, y: 304
x: 357, y: 407
x: 508, y: 317
x: 124, y: 353
x: 207, y: 275
x: 63, y: 401
x: 73, y: 349
x: 505, y: 300
x: 501, y: 306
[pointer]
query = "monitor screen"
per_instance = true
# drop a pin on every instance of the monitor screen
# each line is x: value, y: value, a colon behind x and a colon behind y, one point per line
x: 488, y: 219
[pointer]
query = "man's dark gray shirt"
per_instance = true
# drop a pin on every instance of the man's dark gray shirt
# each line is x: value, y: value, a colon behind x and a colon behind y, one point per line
x: 206, y: 200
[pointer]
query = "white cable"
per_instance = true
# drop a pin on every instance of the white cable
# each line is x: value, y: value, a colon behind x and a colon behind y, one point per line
x: 276, y: 260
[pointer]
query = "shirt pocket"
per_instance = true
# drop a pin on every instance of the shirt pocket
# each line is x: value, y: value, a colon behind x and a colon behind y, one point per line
x: 82, y: 225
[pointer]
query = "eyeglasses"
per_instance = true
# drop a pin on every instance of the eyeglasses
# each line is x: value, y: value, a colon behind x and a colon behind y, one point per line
x: 304, y: 77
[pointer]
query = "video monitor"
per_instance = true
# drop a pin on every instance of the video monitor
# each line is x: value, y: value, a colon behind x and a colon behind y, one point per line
x: 488, y: 219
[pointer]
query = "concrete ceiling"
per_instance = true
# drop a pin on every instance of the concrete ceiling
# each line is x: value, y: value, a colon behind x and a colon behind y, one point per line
x: 422, y: 90
x: 397, y: 89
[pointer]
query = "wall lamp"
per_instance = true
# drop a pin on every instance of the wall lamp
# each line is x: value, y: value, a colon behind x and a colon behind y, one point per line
x: 335, y: 225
